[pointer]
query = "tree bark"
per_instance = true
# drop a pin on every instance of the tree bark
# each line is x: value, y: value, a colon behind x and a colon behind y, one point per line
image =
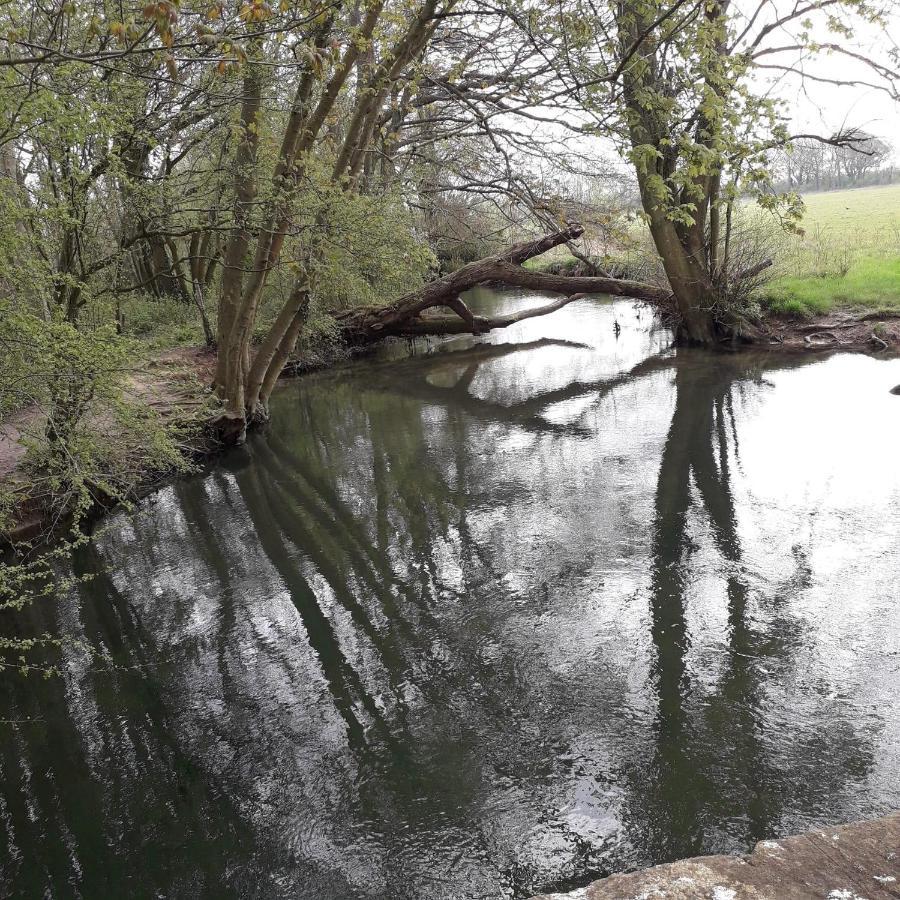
x: 234, y: 325
x: 361, y: 327
x: 274, y: 351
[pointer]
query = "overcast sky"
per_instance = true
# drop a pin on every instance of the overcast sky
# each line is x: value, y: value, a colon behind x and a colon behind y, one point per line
x: 812, y: 107
x: 824, y: 108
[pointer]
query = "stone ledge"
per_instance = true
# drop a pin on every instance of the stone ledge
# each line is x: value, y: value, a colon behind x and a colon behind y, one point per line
x: 860, y: 861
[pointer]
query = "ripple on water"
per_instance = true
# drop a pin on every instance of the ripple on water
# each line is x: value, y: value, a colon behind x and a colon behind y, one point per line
x: 480, y: 622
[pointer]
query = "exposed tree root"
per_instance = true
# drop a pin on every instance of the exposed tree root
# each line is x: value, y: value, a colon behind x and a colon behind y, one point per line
x: 877, y: 332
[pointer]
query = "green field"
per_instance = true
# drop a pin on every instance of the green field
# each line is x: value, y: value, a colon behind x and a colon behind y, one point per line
x: 848, y: 256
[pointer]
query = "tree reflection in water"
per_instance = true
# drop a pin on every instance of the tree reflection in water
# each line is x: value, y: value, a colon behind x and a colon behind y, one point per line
x: 398, y: 647
x: 711, y: 778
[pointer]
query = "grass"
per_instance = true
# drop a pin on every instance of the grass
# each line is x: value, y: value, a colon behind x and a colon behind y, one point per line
x: 556, y: 256
x: 870, y: 282
x: 848, y: 256
x: 872, y: 213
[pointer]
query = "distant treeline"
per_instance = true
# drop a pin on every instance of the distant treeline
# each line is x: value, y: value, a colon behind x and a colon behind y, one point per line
x: 815, y: 165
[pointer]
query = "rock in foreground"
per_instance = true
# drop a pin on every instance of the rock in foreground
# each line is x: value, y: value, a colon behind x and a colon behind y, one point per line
x: 852, y: 862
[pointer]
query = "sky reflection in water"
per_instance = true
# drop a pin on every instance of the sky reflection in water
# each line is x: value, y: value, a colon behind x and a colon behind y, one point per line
x: 474, y: 624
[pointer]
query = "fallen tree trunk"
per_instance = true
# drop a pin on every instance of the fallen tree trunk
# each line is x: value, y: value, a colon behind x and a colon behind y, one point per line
x: 405, y: 316
x: 430, y: 325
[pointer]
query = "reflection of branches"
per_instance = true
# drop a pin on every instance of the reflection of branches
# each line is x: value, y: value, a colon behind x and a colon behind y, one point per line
x: 528, y: 414
x: 449, y: 356
x: 274, y: 526
x: 333, y: 529
x: 213, y: 555
x: 406, y: 484
x: 696, y: 456
x: 98, y: 756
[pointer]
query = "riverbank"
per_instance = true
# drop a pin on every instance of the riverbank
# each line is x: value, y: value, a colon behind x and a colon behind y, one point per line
x: 860, y: 861
x: 174, y: 383
x: 510, y: 614
x: 842, y: 330
x: 169, y: 384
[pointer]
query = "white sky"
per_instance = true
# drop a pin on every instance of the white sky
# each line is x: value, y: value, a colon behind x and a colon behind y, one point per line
x: 825, y: 108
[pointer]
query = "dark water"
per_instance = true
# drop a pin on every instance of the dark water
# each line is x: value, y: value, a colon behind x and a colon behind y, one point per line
x: 476, y: 624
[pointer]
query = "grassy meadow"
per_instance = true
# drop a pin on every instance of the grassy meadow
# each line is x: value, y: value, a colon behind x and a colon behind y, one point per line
x: 848, y: 256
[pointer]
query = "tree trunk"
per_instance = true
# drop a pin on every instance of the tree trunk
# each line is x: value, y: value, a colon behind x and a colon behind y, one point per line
x: 273, y: 353
x: 360, y: 327
x: 693, y: 292
x: 200, y: 303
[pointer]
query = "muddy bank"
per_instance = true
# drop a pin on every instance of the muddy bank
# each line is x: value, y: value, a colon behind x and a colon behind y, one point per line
x: 872, y: 332
x: 860, y: 861
x: 176, y: 384
x: 170, y: 382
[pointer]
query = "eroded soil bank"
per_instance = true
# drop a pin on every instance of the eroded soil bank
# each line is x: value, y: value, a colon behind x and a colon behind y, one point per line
x: 873, y: 332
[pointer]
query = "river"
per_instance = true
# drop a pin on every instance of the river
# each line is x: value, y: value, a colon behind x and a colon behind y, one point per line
x: 497, y: 618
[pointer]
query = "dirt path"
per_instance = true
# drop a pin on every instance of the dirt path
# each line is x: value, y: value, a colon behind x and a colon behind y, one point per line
x: 168, y: 382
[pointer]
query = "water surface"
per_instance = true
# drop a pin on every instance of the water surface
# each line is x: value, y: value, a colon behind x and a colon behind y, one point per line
x: 474, y: 624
